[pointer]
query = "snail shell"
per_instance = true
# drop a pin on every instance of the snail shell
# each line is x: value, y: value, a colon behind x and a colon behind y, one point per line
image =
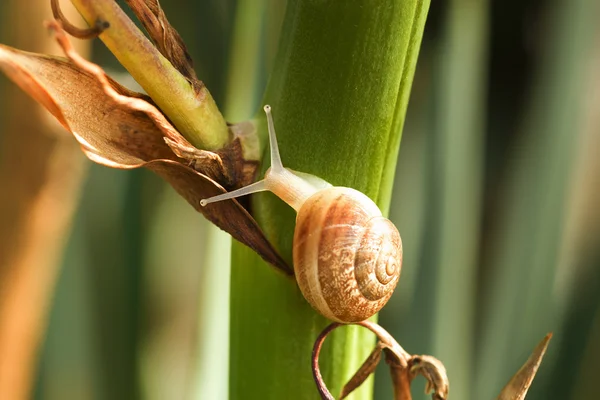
x: 347, y: 257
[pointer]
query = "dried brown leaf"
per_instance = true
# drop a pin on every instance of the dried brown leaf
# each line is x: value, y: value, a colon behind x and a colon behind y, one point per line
x: 125, y: 139
x: 229, y: 216
x: 365, y: 370
x: 519, y: 384
x: 165, y: 37
x: 434, y: 372
x: 403, y: 367
x: 122, y: 129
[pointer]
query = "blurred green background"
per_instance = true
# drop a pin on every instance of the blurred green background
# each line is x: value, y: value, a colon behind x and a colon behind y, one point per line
x: 497, y: 198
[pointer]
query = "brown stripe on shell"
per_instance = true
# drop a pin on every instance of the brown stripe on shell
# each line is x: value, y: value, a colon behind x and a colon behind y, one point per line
x: 309, y: 222
x: 343, y: 228
x: 339, y: 241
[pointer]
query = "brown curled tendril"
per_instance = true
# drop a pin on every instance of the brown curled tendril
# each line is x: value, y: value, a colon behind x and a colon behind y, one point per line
x: 80, y: 33
x: 403, y: 366
x: 321, y: 387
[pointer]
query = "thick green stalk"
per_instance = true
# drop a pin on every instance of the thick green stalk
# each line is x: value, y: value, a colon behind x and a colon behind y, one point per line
x: 195, y: 115
x: 339, y: 92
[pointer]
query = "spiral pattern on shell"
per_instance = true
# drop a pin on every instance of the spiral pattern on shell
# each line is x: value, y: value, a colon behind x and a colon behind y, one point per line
x: 347, y: 257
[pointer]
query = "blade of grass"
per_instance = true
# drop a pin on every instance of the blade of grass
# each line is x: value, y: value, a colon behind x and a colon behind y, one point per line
x: 212, y: 356
x: 174, y: 279
x: 519, y: 303
x: 244, y: 62
x: 114, y: 234
x: 68, y: 367
x: 577, y: 283
x: 458, y: 170
x: 586, y: 382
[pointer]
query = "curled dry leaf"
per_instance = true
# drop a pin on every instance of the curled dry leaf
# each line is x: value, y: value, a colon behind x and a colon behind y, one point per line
x: 519, y: 384
x: 434, y: 373
x: 403, y: 367
x: 122, y: 129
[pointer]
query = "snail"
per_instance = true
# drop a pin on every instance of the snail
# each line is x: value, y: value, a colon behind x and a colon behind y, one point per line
x: 347, y: 256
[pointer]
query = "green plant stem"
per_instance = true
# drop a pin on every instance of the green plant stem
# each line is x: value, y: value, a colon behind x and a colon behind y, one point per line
x: 339, y: 92
x: 195, y: 115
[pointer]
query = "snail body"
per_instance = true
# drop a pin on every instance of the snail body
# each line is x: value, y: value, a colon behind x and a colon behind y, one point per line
x: 347, y: 256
